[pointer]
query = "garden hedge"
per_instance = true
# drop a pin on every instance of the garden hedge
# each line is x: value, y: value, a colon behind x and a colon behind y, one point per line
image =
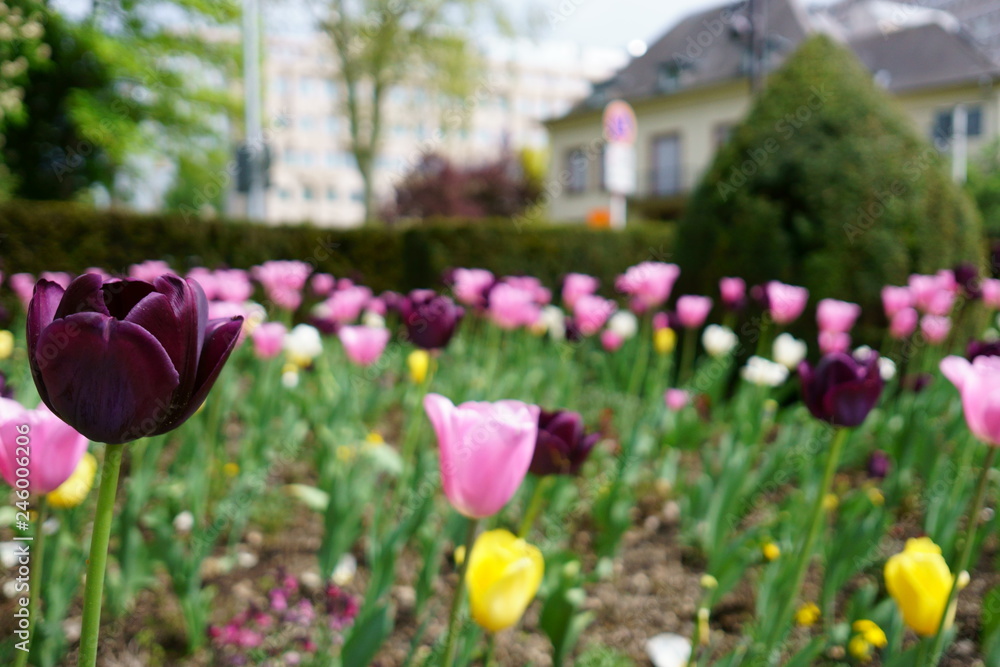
x: 37, y: 237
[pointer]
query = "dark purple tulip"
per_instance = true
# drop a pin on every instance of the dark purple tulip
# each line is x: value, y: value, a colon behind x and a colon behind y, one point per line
x: 967, y: 277
x: 841, y: 390
x: 6, y: 391
x: 759, y: 294
x: 430, y: 318
x: 123, y: 359
x: 980, y: 348
x: 917, y: 382
x: 562, y: 446
x: 878, y: 464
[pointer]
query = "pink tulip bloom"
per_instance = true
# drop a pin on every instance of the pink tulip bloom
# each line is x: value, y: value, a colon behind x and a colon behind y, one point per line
x: 947, y: 281
x: 62, y: 278
x: 148, y: 271
x: 541, y: 295
x: 23, y: 285
x: 364, y: 345
x: 940, y: 303
x: 661, y: 321
x: 904, y: 323
x: 991, y: 292
x: 676, y: 399
x: 377, y: 305
x: 649, y: 284
x: 935, y: 328
x: 577, y: 285
x: 233, y: 285
x: 471, y: 285
x: 693, y: 310
x: 733, y: 291
x: 207, y: 280
x: 54, y: 447
x: 611, y: 341
x: 486, y: 449
x: 592, y: 313
x: 268, y: 339
x: 346, y: 305
x: 512, y: 307
x: 895, y: 299
x: 979, y: 384
x: 322, y: 284
x: 785, y: 302
x: 834, y: 341
x: 837, y: 316
x: 283, y: 281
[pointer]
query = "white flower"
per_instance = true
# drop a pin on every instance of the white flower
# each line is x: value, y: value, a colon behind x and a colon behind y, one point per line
x: 863, y: 353
x: 344, y: 572
x: 246, y: 559
x: 763, y: 372
x: 184, y: 522
x: 254, y: 316
x: 290, y: 379
x: 789, y: 351
x: 718, y: 340
x: 886, y: 368
x: 624, y: 324
x: 553, y: 321
x: 303, y: 344
x: 372, y: 319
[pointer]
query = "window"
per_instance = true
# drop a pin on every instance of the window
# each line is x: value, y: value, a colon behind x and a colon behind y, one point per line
x: 285, y: 193
x: 666, y: 172
x: 331, y: 89
x: 307, y: 193
x: 944, y: 128
x: 281, y: 85
x: 332, y: 124
x: 331, y: 194
x: 307, y: 123
x: 289, y: 156
x: 305, y: 86
x: 358, y: 196
x: 722, y: 133
x: 668, y: 78
x: 576, y: 165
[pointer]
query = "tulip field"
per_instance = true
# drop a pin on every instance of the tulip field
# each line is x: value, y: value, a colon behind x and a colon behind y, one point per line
x: 278, y: 466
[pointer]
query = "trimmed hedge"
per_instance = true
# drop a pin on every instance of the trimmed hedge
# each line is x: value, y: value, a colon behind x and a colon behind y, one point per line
x: 37, y: 237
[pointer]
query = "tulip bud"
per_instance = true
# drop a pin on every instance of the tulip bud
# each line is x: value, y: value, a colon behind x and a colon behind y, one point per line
x: 664, y: 340
x: 840, y: 389
x: 6, y: 344
x: 503, y: 576
x: 562, y: 445
x: 419, y: 363
x: 919, y: 580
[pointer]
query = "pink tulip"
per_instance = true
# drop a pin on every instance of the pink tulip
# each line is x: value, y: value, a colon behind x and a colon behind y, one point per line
x: 147, y: 271
x: 345, y: 305
x: 592, y: 312
x: 611, y: 341
x: 693, y: 310
x: 991, y: 292
x: 895, y: 299
x: 283, y: 281
x: 539, y: 294
x: 471, y: 285
x: 836, y: 316
x: 486, y: 449
x: 834, y: 341
x: 935, y: 328
x: 661, y: 321
x: 577, y: 285
x: 733, y: 291
x: 23, y: 285
x: 939, y: 303
x: 785, y: 302
x: 903, y: 323
x: 268, y: 339
x: 207, y: 280
x: 676, y: 399
x: 54, y: 448
x: 364, y: 345
x: 322, y: 284
x: 512, y: 307
x: 979, y: 384
x: 649, y: 284
x: 233, y: 285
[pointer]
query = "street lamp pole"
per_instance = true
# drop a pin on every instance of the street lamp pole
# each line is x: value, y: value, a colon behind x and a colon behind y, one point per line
x: 252, y: 109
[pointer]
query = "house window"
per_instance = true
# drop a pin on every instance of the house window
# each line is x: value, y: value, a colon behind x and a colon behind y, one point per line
x: 666, y: 172
x: 722, y: 133
x: 307, y: 193
x: 576, y: 165
x: 943, y: 129
x: 668, y: 78
x: 331, y: 194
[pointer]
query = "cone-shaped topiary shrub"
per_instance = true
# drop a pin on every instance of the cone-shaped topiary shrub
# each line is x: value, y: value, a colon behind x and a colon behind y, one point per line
x: 826, y: 184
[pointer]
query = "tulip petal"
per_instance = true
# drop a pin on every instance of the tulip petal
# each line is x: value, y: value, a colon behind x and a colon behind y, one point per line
x: 83, y: 295
x: 41, y: 312
x: 956, y: 369
x: 121, y: 296
x: 54, y: 449
x: 221, y: 337
x: 111, y: 380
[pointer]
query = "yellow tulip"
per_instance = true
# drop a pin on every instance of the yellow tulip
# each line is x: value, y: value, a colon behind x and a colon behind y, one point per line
x: 503, y: 575
x: 664, y: 341
x: 771, y: 551
x: 807, y: 615
x: 74, y: 490
x: 919, y: 580
x: 869, y: 636
x: 6, y: 344
x: 419, y: 363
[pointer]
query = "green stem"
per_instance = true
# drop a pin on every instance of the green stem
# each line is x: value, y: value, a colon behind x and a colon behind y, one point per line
x: 687, y: 355
x: 99, y: 556
x: 535, y: 506
x: 963, y: 561
x: 491, y: 641
x: 37, y: 577
x: 815, y: 523
x: 456, y: 603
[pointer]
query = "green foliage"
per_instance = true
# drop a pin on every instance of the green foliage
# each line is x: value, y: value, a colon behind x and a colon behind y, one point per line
x: 827, y: 185
x: 53, y: 236
x: 984, y: 187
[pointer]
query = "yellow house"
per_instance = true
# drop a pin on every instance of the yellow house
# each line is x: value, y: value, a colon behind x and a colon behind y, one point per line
x: 695, y: 83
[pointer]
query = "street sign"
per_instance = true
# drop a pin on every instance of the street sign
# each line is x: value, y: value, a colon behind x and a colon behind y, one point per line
x: 619, y: 168
x: 619, y: 123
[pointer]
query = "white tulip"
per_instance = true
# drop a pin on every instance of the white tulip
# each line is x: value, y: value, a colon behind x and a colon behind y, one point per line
x: 372, y: 319
x: 764, y: 372
x: 624, y: 324
x: 303, y: 342
x: 553, y: 321
x: 789, y: 351
x: 718, y: 340
x: 886, y: 368
x: 184, y: 522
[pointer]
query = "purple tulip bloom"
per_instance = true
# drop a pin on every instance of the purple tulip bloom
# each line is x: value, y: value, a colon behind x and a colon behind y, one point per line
x: 123, y: 359
x: 878, y: 464
x: 430, y: 318
x: 981, y: 348
x: 562, y: 445
x: 841, y: 390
